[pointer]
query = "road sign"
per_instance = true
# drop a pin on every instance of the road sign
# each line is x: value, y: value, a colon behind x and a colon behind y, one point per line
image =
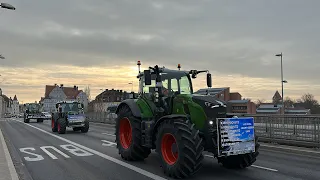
x: 236, y: 136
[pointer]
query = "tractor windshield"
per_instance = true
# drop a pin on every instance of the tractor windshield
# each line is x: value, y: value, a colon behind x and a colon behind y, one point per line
x: 173, y: 81
x: 71, y: 107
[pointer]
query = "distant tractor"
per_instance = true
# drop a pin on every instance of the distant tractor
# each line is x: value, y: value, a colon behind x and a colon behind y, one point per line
x: 33, y: 111
x: 168, y: 117
x: 69, y: 114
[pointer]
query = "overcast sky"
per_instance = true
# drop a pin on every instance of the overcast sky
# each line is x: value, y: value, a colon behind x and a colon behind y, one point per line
x: 81, y: 42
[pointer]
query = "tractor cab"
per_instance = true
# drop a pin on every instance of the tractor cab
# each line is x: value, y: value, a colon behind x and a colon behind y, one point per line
x: 160, y: 86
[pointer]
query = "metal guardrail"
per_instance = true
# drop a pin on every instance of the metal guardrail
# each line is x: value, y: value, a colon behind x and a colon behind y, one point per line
x: 297, y: 130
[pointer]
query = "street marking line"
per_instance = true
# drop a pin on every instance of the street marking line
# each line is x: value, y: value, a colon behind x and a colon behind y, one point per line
x: 108, y: 143
x: 12, y: 169
x: 108, y: 134
x: 260, y: 167
x: 292, y: 149
x: 124, y: 164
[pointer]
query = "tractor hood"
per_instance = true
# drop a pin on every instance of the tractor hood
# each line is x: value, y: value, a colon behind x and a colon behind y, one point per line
x: 213, y: 107
x: 208, y: 101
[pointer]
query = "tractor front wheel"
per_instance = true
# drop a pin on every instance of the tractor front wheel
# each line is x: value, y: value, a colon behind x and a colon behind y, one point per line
x: 62, y: 126
x: 179, y: 147
x: 128, y: 136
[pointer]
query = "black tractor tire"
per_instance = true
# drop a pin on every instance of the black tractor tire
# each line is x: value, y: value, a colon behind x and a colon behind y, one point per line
x: 26, y: 120
x: 128, y: 136
x: 240, y: 161
x: 188, y: 160
x: 76, y: 128
x: 54, y: 126
x: 62, y: 126
x: 85, y: 128
x: 39, y: 120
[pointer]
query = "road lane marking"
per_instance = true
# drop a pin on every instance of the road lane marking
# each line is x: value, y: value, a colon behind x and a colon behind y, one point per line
x: 108, y: 143
x: 12, y: 169
x: 108, y: 134
x: 119, y: 162
x: 75, y: 150
x: 44, y: 149
x: 260, y: 167
x: 292, y: 149
x: 37, y: 157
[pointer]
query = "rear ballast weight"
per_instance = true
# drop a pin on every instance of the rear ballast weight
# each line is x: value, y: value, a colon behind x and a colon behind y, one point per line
x: 69, y: 114
x: 168, y: 117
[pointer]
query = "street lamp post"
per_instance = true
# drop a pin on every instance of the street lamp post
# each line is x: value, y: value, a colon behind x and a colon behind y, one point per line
x: 7, y: 6
x: 282, y: 81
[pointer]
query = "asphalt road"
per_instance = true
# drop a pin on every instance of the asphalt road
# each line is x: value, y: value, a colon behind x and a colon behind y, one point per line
x: 40, y: 154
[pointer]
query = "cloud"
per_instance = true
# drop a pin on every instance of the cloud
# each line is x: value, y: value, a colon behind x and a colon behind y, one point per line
x: 238, y: 38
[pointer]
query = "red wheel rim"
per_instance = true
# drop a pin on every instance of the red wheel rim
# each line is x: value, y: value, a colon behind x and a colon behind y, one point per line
x: 59, y: 127
x: 169, y: 149
x: 125, y: 133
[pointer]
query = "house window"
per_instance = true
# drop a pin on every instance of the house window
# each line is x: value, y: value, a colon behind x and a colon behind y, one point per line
x: 239, y: 107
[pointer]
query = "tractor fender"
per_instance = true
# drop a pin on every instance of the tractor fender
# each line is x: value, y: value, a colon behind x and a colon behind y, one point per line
x: 172, y: 116
x: 131, y: 103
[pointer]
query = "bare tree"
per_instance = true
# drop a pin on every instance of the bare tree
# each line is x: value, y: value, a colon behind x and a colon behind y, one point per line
x: 259, y: 101
x: 288, y: 102
x: 87, y: 92
x: 309, y: 102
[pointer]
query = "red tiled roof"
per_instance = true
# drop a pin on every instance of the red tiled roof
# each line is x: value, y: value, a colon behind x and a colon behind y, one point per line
x: 70, y: 92
x: 48, y: 90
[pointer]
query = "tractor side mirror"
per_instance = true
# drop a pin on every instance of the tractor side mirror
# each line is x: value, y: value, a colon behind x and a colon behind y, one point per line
x: 147, y: 77
x: 209, y: 80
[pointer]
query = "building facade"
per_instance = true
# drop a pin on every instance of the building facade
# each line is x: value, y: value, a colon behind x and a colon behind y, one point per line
x: 15, y: 106
x: 276, y: 107
x: 106, y: 99
x: 55, y: 93
x: 234, y: 101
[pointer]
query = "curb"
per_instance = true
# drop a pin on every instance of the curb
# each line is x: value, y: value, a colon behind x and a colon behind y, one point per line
x: 12, y: 169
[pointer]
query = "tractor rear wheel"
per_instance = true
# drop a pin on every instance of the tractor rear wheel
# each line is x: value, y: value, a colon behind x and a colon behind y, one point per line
x: 128, y: 136
x: 179, y: 147
x: 62, y: 126
x: 240, y: 161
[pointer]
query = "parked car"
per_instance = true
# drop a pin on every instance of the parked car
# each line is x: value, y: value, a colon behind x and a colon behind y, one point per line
x: 47, y: 115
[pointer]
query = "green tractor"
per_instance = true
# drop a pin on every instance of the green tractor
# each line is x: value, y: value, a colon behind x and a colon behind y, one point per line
x: 180, y: 125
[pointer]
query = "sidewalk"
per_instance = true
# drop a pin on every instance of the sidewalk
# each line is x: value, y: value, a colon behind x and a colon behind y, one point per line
x: 7, y: 169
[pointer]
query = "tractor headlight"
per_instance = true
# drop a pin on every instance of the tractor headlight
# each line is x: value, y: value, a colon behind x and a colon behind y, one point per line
x: 210, y: 122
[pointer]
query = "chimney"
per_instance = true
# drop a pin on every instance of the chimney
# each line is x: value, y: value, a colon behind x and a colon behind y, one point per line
x: 55, y: 84
x: 106, y: 89
x: 61, y: 85
x: 75, y: 87
x: 121, y: 91
x: 112, y: 89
